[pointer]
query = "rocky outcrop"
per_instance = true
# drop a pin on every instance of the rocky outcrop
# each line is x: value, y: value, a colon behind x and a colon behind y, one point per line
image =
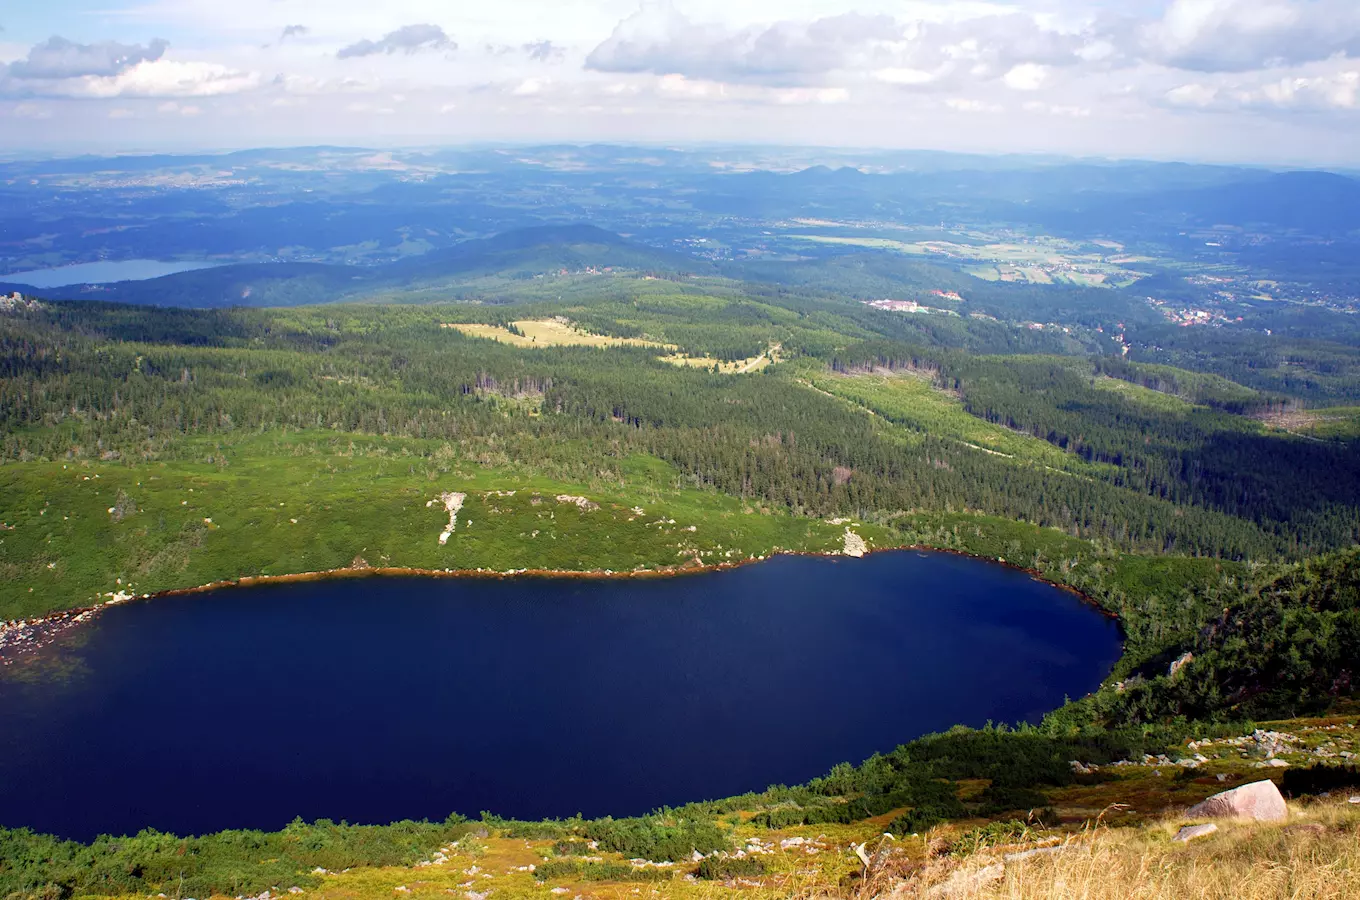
x: 1180, y: 663
x: 1259, y: 801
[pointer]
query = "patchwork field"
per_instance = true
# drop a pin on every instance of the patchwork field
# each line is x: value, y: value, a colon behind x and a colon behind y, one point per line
x: 1044, y: 260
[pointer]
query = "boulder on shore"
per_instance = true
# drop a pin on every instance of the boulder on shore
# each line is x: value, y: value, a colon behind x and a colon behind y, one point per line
x: 1260, y: 801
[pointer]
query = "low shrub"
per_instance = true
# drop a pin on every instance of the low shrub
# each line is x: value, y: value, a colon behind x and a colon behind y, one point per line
x: 567, y: 869
x: 716, y: 868
x: 571, y: 848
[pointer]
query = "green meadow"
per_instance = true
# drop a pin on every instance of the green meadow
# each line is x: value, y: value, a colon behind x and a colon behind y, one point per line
x: 80, y: 531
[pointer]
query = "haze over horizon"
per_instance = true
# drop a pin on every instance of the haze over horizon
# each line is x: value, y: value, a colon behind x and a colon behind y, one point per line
x: 1255, y: 81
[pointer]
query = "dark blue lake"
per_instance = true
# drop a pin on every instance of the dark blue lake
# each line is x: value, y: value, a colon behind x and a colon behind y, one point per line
x: 386, y: 698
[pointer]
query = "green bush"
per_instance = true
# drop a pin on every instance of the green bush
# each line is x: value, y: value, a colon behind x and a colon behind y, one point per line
x: 565, y: 869
x: 571, y: 848
x: 1005, y: 798
x: 232, y: 863
x: 655, y: 839
x: 723, y: 868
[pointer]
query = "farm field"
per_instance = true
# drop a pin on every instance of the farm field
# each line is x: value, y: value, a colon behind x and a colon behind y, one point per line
x: 1044, y: 261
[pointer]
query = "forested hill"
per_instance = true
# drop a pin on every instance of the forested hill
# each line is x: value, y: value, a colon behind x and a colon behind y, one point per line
x: 519, y: 254
x: 1056, y: 441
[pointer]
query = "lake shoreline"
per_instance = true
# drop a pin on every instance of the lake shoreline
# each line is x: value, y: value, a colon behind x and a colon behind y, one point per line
x: 22, y: 637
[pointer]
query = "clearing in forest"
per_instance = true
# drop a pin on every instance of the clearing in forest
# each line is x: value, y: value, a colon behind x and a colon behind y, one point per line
x: 910, y: 400
x: 727, y: 367
x: 1337, y: 423
x: 555, y: 332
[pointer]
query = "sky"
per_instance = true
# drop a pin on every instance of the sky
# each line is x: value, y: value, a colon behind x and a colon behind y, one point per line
x: 1256, y: 81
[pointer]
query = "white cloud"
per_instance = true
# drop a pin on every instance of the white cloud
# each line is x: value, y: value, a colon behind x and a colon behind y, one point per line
x: 1049, y: 109
x: 680, y: 86
x: 530, y: 86
x: 1047, y: 74
x: 310, y: 85
x: 1026, y: 77
x: 1339, y: 91
x: 1241, y: 35
x: 661, y: 40
x: 159, y: 78
x: 1201, y: 96
x: 171, y: 107
x: 1331, y: 88
x: 31, y: 111
x: 370, y: 109
x: 909, y: 77
x: 968, y: 105
x: 801, y: 96
x: 58, y: 58
x: 408, y: 39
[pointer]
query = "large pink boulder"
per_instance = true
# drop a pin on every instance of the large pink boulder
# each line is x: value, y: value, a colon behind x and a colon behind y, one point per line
x: 1259, y: 801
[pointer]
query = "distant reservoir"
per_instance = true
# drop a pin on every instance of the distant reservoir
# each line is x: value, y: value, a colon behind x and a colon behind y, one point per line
x: 105, y: 272
x: 386, y: 698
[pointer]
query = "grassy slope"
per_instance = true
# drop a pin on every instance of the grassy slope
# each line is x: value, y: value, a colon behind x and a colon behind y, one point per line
x: 1155, y: 400
x: 352, y: 497
x: 914, y: 404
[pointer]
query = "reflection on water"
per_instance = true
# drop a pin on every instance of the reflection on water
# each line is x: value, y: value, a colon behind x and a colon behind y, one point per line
x: 103, y: 272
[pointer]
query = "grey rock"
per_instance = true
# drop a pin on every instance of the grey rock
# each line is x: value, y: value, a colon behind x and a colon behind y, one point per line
x: 1190, y: 832
x: 1259, y: 801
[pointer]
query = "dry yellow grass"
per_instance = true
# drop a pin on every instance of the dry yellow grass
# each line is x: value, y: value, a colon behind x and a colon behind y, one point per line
x: 731, y: 367
x: 549, y: 333
x: 1317, y: 855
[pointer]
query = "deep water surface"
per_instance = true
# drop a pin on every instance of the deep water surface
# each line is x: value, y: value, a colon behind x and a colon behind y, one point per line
x: 105, y: 272
x: 385, y: 698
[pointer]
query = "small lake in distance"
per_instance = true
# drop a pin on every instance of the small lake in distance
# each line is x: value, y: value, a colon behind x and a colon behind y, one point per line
x: 379, y: 699
x: 103, y: 272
